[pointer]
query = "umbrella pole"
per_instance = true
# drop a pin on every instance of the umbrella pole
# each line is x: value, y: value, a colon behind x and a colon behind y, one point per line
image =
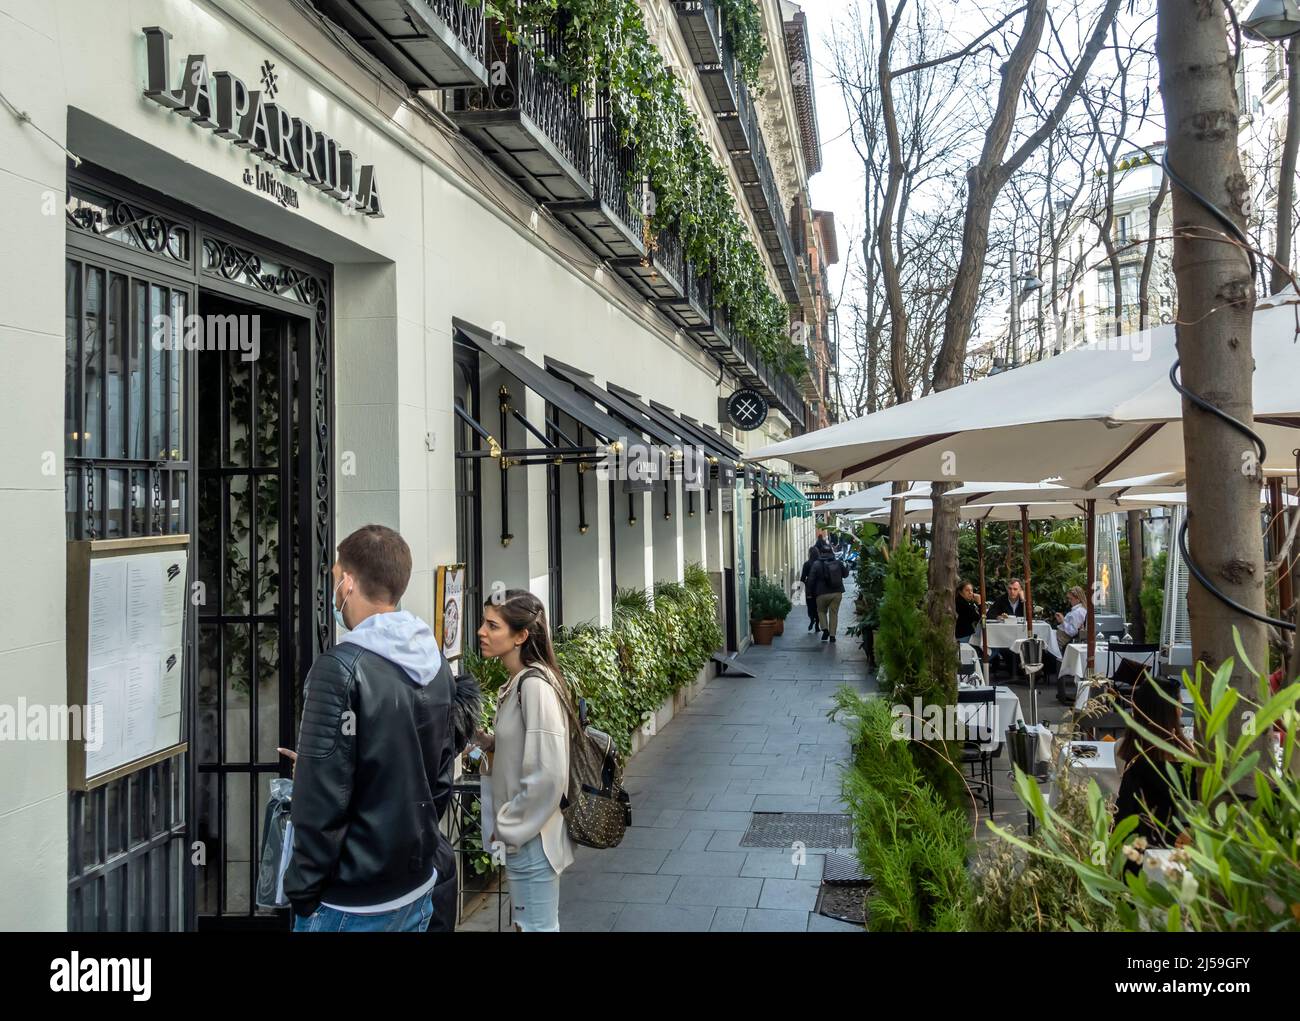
x: 984, y: 635
x: 1029, y: 574
x: 1092, y: 581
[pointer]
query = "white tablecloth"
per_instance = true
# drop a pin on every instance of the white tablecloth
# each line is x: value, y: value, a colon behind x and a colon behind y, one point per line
x: 1075, y: 661
x: 970, y: 656
x: 1004, y: 633
x: 1101, y: 767
x: 1006, y: 708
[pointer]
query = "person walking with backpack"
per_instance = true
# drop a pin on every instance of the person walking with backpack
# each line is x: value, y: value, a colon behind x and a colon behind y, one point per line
x: 809, y: 594
x: 827, y: 576
x: 530, y: 758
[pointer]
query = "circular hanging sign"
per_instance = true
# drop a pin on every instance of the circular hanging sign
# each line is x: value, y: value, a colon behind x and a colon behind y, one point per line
x: 747, y: 409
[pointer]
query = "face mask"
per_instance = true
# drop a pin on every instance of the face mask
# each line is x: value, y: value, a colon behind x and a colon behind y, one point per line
x: 338, y: 610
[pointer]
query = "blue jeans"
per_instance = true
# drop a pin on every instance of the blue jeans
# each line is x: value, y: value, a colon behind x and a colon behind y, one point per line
x: 534, y: 889
x: 414, y: 917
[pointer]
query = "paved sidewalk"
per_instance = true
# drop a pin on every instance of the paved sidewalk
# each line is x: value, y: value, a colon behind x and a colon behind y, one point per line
x: 760, y: 744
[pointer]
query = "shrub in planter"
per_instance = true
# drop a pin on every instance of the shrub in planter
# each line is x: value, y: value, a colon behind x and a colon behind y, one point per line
x: 909, y: 840
x: 917, y: 661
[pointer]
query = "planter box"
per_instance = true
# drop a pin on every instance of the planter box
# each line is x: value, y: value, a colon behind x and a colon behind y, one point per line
x: 672, y: 705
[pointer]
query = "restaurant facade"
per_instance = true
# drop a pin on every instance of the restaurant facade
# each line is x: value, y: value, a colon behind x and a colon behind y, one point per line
x: 272, y: 272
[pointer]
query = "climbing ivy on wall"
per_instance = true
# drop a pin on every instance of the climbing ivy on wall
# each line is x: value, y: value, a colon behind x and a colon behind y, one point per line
x: 605, y: 49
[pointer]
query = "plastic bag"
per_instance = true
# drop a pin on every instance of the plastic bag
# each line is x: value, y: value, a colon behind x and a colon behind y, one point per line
x: 277, y: 846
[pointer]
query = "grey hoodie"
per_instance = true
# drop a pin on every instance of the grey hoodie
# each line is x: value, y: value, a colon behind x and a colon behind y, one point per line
x: 401, y: 638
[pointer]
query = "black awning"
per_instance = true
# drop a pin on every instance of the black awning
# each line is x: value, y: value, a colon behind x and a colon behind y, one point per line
x: 568, y: 398
x: 697, y: 435
x: 666, y: 423
x: 715, y: 437
x: 633, y: 413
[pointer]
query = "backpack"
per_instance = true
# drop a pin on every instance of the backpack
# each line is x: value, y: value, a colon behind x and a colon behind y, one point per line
x: 597, y: 811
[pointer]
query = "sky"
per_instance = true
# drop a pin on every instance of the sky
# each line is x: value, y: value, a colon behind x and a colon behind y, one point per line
x: 838, y: 186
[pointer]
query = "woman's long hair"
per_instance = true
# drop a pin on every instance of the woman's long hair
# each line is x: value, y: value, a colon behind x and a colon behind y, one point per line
x: 523, y: 611
x: 1154, y: 711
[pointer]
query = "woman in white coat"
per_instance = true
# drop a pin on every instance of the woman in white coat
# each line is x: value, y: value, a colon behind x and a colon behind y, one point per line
x: 530, y: 758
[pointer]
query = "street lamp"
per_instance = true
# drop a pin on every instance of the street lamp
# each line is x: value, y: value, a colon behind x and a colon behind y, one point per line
x: 1028, y: 284
x: 1273, y: 19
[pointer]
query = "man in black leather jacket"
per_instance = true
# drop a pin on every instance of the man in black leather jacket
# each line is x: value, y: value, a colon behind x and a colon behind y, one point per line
x: 373, y: 767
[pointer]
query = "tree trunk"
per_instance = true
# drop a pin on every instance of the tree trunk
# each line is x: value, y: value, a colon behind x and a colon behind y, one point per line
x: 1216, y: 299
x: 1135, y: 571
x: 985, y: 181
x: 1281, y: 273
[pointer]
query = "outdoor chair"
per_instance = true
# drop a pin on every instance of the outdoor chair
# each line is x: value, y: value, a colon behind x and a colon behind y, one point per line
x: 974, y: 753
x: 1116, y: 652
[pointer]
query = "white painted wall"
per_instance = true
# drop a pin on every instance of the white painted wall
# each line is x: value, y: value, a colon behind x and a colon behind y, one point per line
x: 455, y: 242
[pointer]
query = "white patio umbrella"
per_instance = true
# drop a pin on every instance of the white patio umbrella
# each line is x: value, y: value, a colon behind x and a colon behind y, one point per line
x: 1090, y: 415
x: 1048, y: 507
x: 864, y: 500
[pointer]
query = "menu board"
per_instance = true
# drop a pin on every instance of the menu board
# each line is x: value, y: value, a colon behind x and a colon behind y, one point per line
x: 449, y: 609
x: 127, y: 650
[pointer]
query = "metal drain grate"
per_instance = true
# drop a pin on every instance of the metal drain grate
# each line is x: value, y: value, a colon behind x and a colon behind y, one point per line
x: 839, y: 868
x: 784, y: 829
x: 845, y: 902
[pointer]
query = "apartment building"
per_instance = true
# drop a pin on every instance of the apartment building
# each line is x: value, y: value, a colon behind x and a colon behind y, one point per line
x: 463, y: 307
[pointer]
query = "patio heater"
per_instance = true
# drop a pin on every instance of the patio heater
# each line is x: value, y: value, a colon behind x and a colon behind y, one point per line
x: 1031, y: 658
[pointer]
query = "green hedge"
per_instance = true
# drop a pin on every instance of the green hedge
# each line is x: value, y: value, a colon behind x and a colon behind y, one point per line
x: 909, y: 840
x: 626, y: 671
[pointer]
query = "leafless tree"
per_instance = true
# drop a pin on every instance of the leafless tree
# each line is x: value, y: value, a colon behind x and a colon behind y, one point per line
x: 985, y: 180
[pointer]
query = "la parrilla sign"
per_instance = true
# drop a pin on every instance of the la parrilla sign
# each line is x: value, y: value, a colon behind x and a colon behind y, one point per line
x: 250, y: 119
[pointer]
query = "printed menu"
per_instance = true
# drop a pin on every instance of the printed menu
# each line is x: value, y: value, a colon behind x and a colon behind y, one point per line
x: 135, y: 648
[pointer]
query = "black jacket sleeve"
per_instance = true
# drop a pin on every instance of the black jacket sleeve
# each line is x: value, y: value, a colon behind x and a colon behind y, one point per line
x: 323, y: 776
x: 440, y: 763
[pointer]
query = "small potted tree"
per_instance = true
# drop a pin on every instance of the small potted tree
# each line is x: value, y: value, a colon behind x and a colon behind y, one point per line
x: 763, y: 610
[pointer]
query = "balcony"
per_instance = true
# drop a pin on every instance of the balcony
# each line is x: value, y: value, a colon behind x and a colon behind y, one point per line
x: 719, y: 338
x: 610, y: 223
x: 737, y: 118
x: 427, y: 43
x: 692, y: 309
x: 659, y: 274
x: 701, y: 26
x: 532, y: 126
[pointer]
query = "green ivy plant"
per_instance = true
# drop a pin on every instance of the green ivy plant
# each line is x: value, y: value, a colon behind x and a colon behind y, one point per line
x: 606, y: 50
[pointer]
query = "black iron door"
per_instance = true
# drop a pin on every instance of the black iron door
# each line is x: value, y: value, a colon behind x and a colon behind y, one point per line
x: 148, y: 451
x: 249, y: 464
x: 127, y: 473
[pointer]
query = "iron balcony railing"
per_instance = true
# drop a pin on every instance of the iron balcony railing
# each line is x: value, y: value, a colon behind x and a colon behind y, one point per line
x: 549, y: 102
x: 699, y: 289
x: 530, y: 89
x: 611, y: 170
x: 466, y: 20
x: 670, y: 255
x: 783, y: 249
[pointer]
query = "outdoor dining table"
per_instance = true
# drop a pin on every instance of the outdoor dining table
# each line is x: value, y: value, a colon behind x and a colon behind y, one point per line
x: 1005, y: 634
x: 1007, y: 712
x: 1101, y: 766
x: 1074, y: 663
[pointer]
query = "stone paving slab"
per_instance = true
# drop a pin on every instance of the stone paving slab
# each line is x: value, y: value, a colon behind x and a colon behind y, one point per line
x: 745, y: 745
